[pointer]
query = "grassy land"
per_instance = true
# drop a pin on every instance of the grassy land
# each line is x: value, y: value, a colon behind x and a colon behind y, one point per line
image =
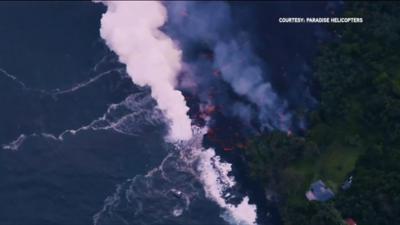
x: 332, y: 166
x: 336, y: 163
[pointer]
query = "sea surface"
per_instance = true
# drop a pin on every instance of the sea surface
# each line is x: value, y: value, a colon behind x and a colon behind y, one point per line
x: 81, y: 144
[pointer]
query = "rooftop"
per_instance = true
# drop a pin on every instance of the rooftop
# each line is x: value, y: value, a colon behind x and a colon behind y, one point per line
x: 350, y: 221
x: 319, y: 192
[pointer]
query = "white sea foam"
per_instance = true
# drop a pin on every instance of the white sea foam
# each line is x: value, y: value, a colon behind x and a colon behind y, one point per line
x: 12, y: 77
x: 214, y: 174
x: 14, y: 145
x: 59, y: 91
x: 82, y: 84
x: 127, y: 117
x: 182, y: 169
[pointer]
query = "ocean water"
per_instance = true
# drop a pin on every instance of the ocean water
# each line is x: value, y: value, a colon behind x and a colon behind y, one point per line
x: 81, y: 144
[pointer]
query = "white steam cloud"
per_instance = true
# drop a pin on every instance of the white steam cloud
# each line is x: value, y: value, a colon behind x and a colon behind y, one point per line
x: 131, y: 30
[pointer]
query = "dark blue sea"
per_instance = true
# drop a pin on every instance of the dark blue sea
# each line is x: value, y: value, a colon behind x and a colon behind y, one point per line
x: 81, y: 144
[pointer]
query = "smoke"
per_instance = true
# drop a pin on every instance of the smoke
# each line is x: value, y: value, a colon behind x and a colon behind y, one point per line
x: 209, y: 27
x: 131, y: 30
x: 238, y: 67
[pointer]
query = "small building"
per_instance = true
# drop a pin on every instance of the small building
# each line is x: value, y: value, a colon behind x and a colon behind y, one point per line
x: 319, y: 192
x: 350, y: 221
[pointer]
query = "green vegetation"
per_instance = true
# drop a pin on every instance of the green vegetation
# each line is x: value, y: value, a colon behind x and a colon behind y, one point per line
x: 355, y: 130
x: 312, y: 213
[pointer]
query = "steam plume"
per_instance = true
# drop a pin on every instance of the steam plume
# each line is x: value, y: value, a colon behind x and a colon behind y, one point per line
x: 210, y: 25
x: 131, y: 30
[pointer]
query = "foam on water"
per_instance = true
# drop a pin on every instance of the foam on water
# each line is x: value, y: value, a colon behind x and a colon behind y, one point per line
x: 197, y: 173
x: 129, y: 117
x: 14, y: 145
x: 214, y: 174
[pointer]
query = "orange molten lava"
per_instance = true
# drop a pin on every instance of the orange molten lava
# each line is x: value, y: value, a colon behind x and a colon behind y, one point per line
x: 184, y: 13
x: 209, y: 109
x: 241, y: 145
x: 217, y: 72
x: 227, y: 149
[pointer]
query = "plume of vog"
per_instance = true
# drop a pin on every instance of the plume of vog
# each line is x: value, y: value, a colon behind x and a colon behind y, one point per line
x: 132, y: 30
